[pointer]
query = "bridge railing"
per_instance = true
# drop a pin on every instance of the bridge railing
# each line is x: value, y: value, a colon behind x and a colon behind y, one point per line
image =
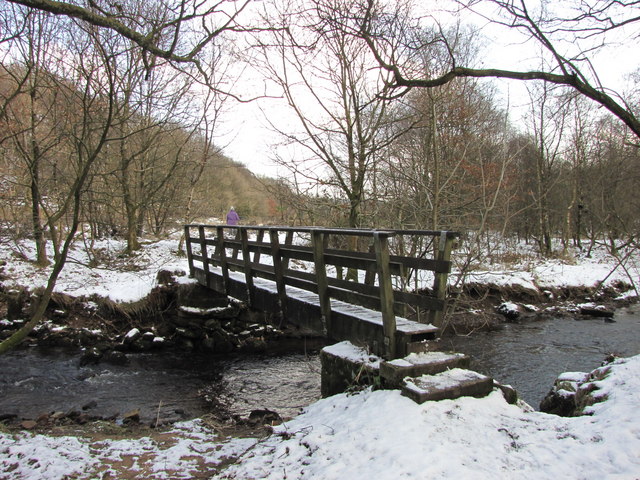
x: 315, y: 259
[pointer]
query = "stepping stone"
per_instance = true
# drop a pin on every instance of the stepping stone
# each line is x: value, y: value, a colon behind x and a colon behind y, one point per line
x: 449, y: 385
x: 417, y: 364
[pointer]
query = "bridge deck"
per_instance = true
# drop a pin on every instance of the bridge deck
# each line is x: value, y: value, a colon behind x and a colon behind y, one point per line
x: 360, y: 325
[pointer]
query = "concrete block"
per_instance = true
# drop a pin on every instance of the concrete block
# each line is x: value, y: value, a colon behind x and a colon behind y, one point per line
x: 450, y: 385
x: 416, y: 364
x: 345, y: 366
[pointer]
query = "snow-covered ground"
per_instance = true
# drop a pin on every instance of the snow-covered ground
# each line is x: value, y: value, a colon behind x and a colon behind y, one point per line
x: 120, y: 278
x: 377, y: 434
x: 374, y: 434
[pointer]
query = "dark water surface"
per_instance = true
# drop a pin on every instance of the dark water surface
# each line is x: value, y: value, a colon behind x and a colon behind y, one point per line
x: 530, y: 356
x: 163, y: 386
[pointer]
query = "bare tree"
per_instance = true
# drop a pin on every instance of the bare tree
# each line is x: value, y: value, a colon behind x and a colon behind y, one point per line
x: 32, y: 110
x: 587, y: 26
x: 327, y: 84
x: 174, y: 30
x: 92, y: 100
x: 547, y: 122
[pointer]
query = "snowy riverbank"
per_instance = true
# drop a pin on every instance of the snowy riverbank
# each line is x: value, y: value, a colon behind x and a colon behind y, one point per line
x: 372, y: 434
x: 107, y: 273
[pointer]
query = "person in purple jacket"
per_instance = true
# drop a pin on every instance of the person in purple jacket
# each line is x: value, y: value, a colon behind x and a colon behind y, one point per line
x: 232, y: 217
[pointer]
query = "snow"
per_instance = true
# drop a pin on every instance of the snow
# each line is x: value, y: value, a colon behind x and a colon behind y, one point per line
x: 353, y: 353
x: 443, y: 380
x: 201, y: 311
x: 131, y: 334
x: 123, y: 280
x: 377, y: 434
x: 576, y: 270
x: 424, y: 357
x: 373, y: 434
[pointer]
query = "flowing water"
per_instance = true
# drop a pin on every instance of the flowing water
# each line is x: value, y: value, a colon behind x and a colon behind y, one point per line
x: 530, y: 356
x: 163, y: 386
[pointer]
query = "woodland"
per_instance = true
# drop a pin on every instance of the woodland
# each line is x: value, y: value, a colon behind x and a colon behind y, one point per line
x: 111, y: 114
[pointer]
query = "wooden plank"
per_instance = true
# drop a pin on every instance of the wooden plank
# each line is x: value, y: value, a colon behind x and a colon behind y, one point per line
x: 370, y: 272
x: 427, y: 302
x: 187, y: 242
x: 223, y: 259
x: 317, y: 241
x: 256, y: 255
x: 246, y: 260
x: 364, y: 260
x: 440, y: 279
x: 278, y: 271
x: 381, y: 245
x: 288, y: 241
x: 203, y: 252
x: 237, y: 243
x: 297, y: 252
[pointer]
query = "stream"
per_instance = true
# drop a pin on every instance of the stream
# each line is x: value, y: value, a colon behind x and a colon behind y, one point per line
x: 169, y: 387
x: 164, y: 387
x: 529, y: 356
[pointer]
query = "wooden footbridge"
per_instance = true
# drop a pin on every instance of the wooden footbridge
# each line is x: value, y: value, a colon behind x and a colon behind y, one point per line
x: 350, y: 284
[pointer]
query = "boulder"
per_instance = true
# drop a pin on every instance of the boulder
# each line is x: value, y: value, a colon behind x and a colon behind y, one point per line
x: 510, y: 310
x: 131, y: 336
x: 131, y: 417
x: 90, y: 356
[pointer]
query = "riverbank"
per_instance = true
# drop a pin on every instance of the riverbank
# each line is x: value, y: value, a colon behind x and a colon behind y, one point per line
x: 102, y: 290
x: 372, y: 433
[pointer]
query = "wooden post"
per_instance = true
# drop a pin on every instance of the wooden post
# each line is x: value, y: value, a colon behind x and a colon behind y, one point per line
x: 187, y: 241
x: 381, y: 245
x: 223, y: 259
x: 246, y: 258
x: 238, y: 236
x: 278, y: 270
x: 445, y: 245
x: 256, y: 255
x: 317, y: 243
x: 288, y: 240
x: 203, y: 252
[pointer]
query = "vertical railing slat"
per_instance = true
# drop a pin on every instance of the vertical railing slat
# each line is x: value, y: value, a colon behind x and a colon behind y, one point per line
x: 187, y: 242
x: 288, y: 241
x: 259, y: 238
x: 223, y: 259
x: 445, y: 244
x: 203, y: 252
x: 317, y: 243
x: 234, y: 252
x: 246, y: 259
x: 381, y: 246
x: 278, y: 270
